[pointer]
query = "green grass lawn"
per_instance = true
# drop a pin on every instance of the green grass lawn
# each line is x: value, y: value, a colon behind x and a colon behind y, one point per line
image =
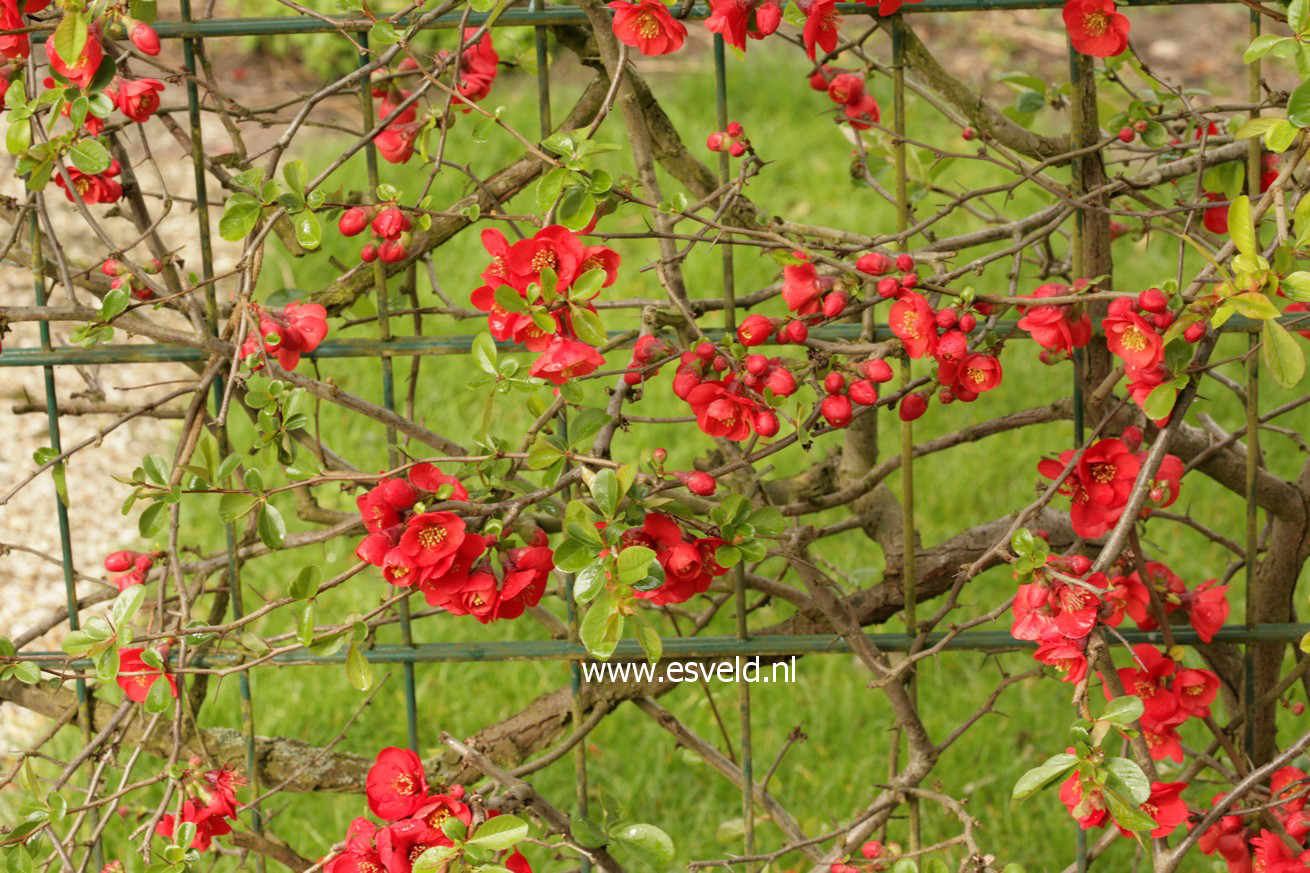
x: 835, y: 771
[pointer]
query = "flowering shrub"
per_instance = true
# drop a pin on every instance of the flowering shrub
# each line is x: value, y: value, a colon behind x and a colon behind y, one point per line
x: 629, y: 456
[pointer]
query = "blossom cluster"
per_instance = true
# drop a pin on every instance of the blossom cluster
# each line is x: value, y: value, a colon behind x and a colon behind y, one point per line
x: 132, y: 565
x: 687, y: 560
x: 122, y: 277
x: 416, y: 819
x: 733, y: 139
x: 541, y: 272
x: 1100, y: 483
x: 136, y: 677
x: 388, y: 224
x: 848, y: 90
x: 210, y: 802
x: 437, y: 553
x: 1234, y: 837
x: 288, y: 334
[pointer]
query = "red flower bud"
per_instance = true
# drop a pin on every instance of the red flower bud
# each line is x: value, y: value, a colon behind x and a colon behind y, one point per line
x: 143, y: 36
x: 1120, y: 307
x: 757, y: 365
x: 834, y: 304
x: 946, y: 318
x: 1079, y: 565
x: 819, y: 80
x: 968, y: 133
x: 715, y: 141
x: 705, y: 351
x: 755, y: 330
x: 888, y: 288
x: 874, y: 263
x: 984, y: 308
x: 1153, y: 300
x: 836, y: 410
x: 353, y: 221
x: 909, y: 280
x: 369, y: 253
x: 121, y: 562
x: 390, y: 223
x: 781, y: 382
x: 1194, y: 332
x: 112, y: 267
x: 738, y: 149
x: 720, y: 363
x: 846, y: 88
x: 765, y: 422
x: 967, y: 322
x: 735, y: 129
x: 1127, y: 134
x: 702, y: 484
x: 1162, y: 320
x: 1131, y: 437
x: 660, y: 455
x: 1298, y: 708
x: 797, y: 332
x: 391, y: 251
x: 871, y: 849
x: 912, y: 406
x: 904, y: 263
x: 863, y: 392
x: 683, y: 382
x: 833, y: 383
x: 877, y: 370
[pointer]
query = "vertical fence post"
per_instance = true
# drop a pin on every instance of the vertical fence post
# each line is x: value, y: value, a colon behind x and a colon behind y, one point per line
x: 739, y: 572
x: 388, y: 388
x: 1253, y: 169
x: 908, y: 570
x: 61, y: 508
x: 190, y: 49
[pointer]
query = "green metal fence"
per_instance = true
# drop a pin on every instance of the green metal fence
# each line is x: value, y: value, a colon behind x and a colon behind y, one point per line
x: 193, y: 33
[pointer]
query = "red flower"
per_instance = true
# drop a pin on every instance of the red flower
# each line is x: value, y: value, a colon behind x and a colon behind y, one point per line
x: 139, y: 98
x: 1095, y: 28
x: 396, y: 786
x: 207, y: 825
x: 801, y: 287
x: 1033, y: 617
x: 430, y: 539
x: 821, y: 21
x: 1166, y: 806
x: 1134, y: 340
x: 978, y: 373
x: 444, y: 588
x: 1209, y: 609
x: 565, y: 359
x: 1075, y: 608
x: 526, y: 572
x: 863, y: 113
x: 1098, y: 487
x: 1162, y: 739
x: 1196, y: 690
x: 430, y: 478
x: 478, y: 596
x: 721, y: 411
x: 1090, y: 811
x: 1066, y: 656
x: 551, y: 248
x: 137, y: 686
x: 440, y: 807
x: 401, y: 843
x: 1051, y: 326
x: 647, y: 26
x: 100, y: 188
x: 1149, y: 683
x: 735, y: 20
x: 221, y: 785
x: 914, y: 323
x: 477, y: 67
x: 381, y: 506
x: 82, y: 69
x: 396, y: 142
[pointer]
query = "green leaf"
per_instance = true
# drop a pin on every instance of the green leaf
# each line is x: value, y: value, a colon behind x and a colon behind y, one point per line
x: 89, y: 156
x: 499, y: 833
x: 634, y: 564
x: 1298, y: 105
x: 126, y: 605
x: 107, y: 663
x: 1130, y: 819
x: 305, y: 585
x: 589, y: 582
x: 234, y: 506
x: 240, y: 215
x: 1041, y: 776
x: 646, y: 840
x: 1283, y: 357
x: 1253, y: 304
x: 435, y: 859
x: 153, y: 519
x: 605, y: 490
x: 383, y: 32
x: 296, y: 175
x: 358, y: 670
x: 572, y: 556
x: 27, y: 672
x: 158, y: 696
x: 1297, y: 286
x: 1022, y: 542
x: 156, y: 468
x: 70, y: 38
x: 1160, y: 402
x: 602, y: 626
x: 19, y: 135
x: 1280, y: 137
x: 1240, y: 226
x: 1137, y: 786
x: 485, y: 353
x: 305, y: 624
x: 272, y: 529
x: 309, y: 231
x: 1260, y: 46
x: 649, y: 640
x: 1123, y: 710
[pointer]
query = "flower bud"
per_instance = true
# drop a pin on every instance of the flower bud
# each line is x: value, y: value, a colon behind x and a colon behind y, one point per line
x: 391, y: 251
x: 719, y: 364
x: 765, y: 422
x: 797, y: 332
x: 390, y: 223
x: 873, y: 848
x: 1153, y: 300
x: 968, y: 134
x: 701, y: 484
x: 353, y: 221
x: 967, y: 322
x: 819, y: 80
x: 888, y: 288
x: 738, y: 149
x: 863, y: 392
x: 1131, y: 437
x: 144, y: 562
x: 660, y: 455
x: 755, y: 330
x: 715, y: 141
x: 143, y: 36
x: 120, y: 562
x: 836, y: 410
x: 781, y: 382
x: 735, y: 130
x: 683, y: 381
x: 877, y: 370
x: 846, y: 88
x: 947, y: 318
x: 904, y: 263
x: 912, y: 406
x: 1162, y: 320
x: 834, y: 304
x: 756, y: 365
x: 112, y: 267
x: 369, y: 253
x: 1121, y: 306
x: 1298, y: 708
x: 909, y: 280
x: 1194, y: 332
x: 833, y: 383
x: 874, y: 263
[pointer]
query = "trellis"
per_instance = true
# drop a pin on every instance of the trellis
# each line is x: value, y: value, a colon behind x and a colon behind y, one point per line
x: 743, y: 644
